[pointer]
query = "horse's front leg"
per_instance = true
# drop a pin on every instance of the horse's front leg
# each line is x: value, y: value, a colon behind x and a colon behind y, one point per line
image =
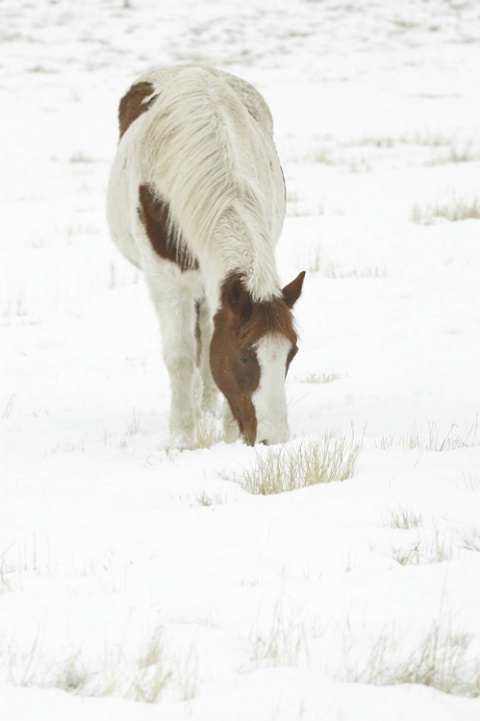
x: 204, y: 333
x: 175, y: 306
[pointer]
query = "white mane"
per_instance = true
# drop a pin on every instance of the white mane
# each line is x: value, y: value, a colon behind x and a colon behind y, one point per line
x: 205, y: 146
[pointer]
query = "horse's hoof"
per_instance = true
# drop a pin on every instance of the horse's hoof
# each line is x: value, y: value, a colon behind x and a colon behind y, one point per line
x: 180, y: 441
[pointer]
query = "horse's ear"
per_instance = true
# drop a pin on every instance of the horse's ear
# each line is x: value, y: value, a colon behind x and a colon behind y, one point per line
x: 291, y: 292
x: 238, y: 298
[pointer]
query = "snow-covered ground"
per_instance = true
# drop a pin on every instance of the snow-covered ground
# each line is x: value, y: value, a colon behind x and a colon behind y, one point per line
x: 131, y: 575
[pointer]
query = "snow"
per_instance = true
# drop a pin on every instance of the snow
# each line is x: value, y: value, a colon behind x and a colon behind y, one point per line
x: 137, y: 583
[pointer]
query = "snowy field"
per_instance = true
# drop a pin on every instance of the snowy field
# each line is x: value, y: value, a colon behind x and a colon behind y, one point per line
x: 142, y: 584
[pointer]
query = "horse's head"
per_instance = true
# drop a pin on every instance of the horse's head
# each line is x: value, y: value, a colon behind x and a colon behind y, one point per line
x: 252, y: 347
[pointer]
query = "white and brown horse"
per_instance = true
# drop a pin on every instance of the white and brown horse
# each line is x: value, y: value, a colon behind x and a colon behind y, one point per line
x: 197, y: 200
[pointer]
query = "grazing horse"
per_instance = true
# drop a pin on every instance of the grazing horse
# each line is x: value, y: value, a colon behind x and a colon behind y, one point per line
x: 196, y: 200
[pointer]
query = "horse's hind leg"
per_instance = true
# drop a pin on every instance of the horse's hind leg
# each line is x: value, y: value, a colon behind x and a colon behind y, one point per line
x: 175, y: 305
x: 204, y: 331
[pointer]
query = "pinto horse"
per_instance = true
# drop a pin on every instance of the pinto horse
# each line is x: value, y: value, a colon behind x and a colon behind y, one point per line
x: 196, y: 199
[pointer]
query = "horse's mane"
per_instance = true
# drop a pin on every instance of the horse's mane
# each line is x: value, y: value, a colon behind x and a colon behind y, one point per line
x: 206, y: 147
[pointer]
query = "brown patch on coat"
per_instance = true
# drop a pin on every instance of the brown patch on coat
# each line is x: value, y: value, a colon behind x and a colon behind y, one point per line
x: 154, y: 215
x: 238, y: 326
x: 134, y: 103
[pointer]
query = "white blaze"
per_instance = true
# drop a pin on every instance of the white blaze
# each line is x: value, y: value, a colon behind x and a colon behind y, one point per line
x: 269, y: 399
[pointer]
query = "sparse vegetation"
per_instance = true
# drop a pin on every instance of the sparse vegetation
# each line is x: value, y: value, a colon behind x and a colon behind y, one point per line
x: 154, y: 672
x: 320, y: 378
x: 425, y: 138
x: 471, y: 540
x: 72, y: 231
x: 8, y: 412
x: 304, y: 208
x: 81, y: 157
x: 454, y: 210
x: 426, y: 148
x: 67, y: 445
x: 280, y: 645
x: 407, y: 556
x: 39, y: 69
x: 403, y: 519
x: 454, y: 439
x: 208, y: 432
x: 330, y: 270
x: 132, y: 428
x: 287, y: 468
x: 425, y: 551
x: 433, y: 440
x: 314, y: 262
x: 325, y: 157
x: 4, y: 576
x: 144, y: 679
x: 440, y: 660
x: 133, y: 425
x: 206, y: 499
x: 409, y: 440
x: 456, y: 155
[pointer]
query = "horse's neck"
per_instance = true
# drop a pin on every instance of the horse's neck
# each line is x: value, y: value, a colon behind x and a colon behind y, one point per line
x: 237, y: 249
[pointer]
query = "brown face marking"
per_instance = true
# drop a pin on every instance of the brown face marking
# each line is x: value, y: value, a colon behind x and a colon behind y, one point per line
x: 238, y: 326
x: 166, y: 242
x: 236, y: 372
x: 132, y: 104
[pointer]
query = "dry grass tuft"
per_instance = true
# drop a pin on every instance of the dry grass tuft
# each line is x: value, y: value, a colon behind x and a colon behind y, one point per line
x: 287, y: 468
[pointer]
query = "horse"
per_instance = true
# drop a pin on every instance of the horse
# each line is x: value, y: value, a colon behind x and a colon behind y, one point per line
x: 196, y: 200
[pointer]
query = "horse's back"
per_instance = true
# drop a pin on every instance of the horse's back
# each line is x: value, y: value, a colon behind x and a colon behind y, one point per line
x: 201, y: 140
x: 148, y: 87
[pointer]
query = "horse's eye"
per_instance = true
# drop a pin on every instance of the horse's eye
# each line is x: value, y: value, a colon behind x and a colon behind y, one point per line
x: 244, y: 359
